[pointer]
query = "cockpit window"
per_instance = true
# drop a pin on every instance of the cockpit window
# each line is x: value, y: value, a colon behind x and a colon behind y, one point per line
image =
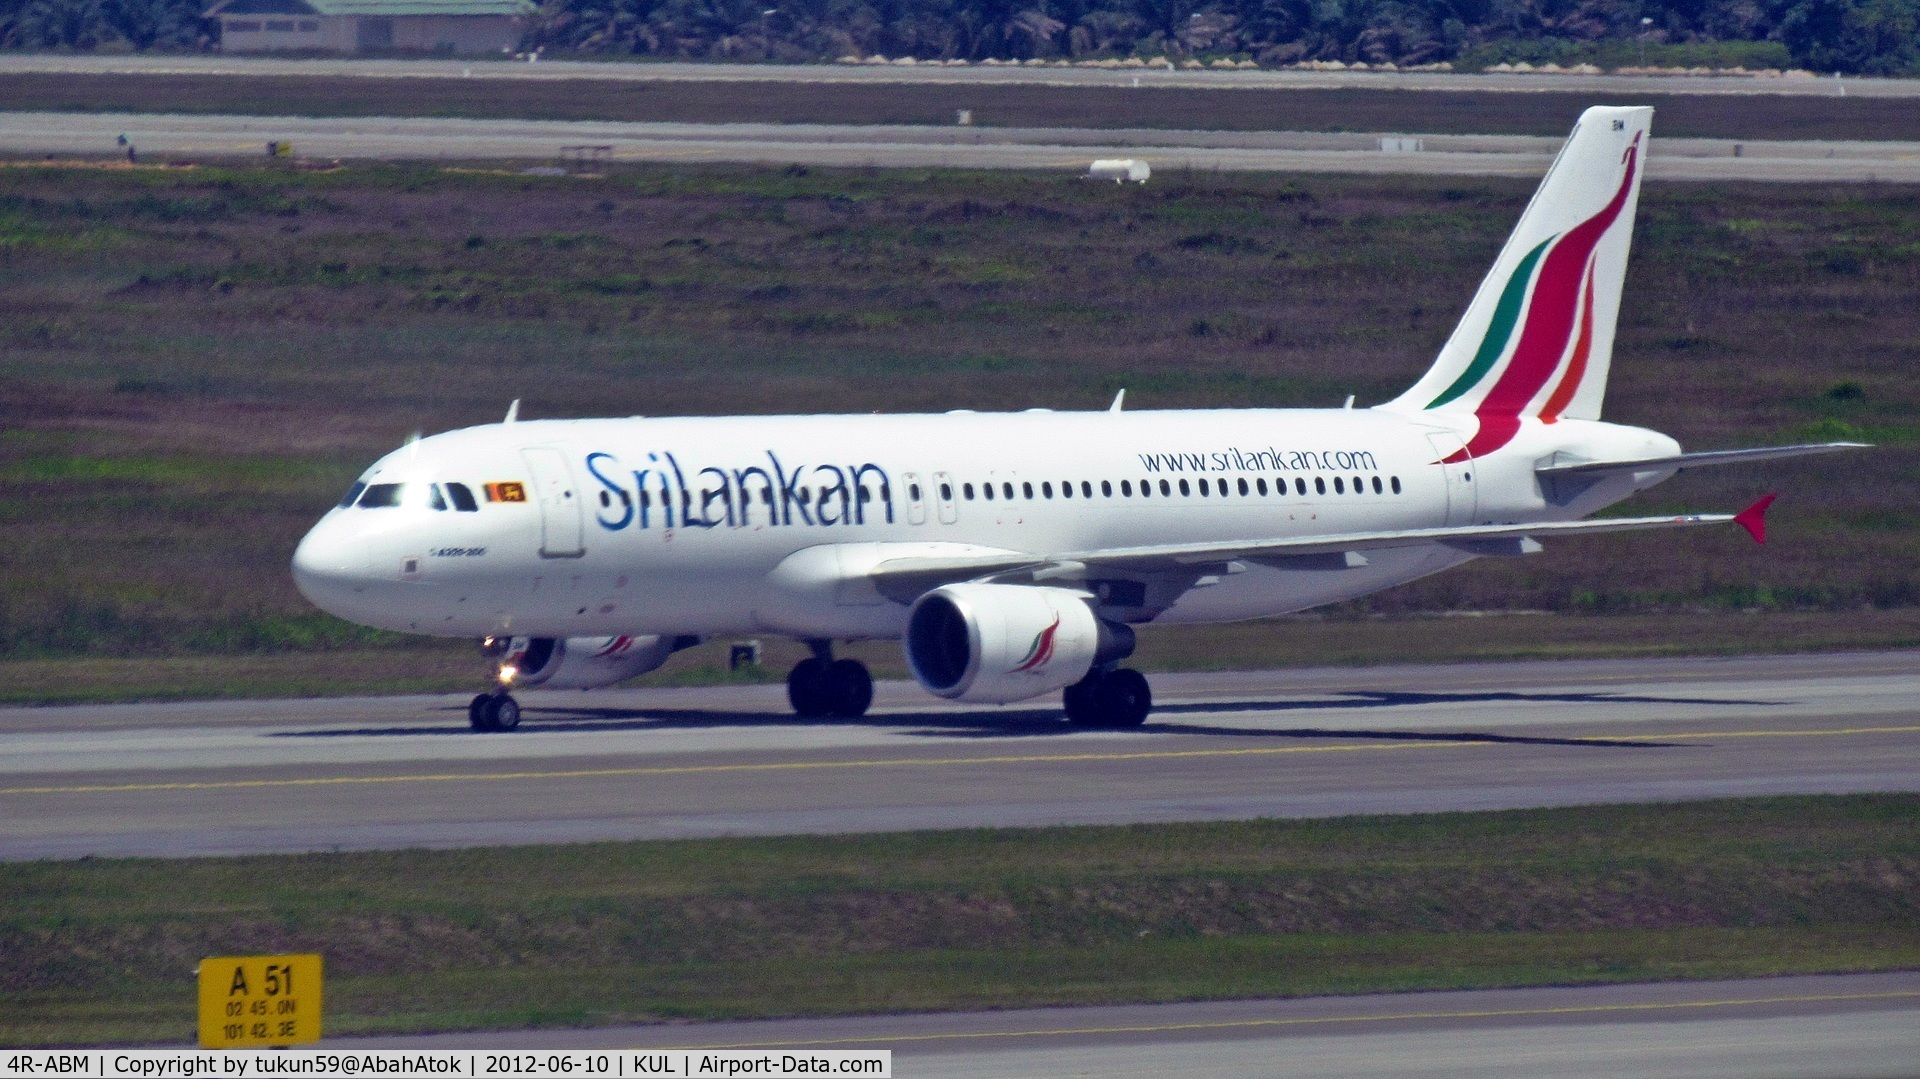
x: 381, y: 496
x: 353, y: 494
x: 462, y: 498
x: 435, y: 498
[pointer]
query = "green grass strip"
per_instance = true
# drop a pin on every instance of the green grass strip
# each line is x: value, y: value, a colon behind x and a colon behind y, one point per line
x: 102, y: 950
x: 1141, y: 971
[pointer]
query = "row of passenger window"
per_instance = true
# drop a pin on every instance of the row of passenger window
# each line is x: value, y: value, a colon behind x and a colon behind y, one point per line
x: 378, y: 496
x: 1185, y: 488
x: 439, y: 495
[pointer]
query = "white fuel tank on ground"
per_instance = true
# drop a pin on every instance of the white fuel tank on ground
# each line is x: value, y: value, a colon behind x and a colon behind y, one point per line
x: 1120, y: 170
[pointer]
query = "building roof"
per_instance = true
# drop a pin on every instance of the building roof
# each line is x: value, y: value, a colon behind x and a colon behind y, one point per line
x: 370, y: 8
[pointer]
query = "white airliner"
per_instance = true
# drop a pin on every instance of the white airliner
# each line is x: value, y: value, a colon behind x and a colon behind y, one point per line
x: 1013, y: 552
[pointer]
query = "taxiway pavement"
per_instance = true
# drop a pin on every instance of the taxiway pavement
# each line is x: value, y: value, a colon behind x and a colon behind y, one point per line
x: 1855, y: 1026
x: 583, y: 144
x: 263, y: 776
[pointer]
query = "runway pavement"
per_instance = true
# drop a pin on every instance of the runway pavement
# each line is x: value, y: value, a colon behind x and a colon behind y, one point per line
x: 1857, y: 1027
x: 260, y: 776
x: 940, y: 74
x: 172, y: 137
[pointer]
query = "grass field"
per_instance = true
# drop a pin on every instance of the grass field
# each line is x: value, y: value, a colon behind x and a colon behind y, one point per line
x: 102, y: 950
x: 1544, y: 112
x: 194, y: 362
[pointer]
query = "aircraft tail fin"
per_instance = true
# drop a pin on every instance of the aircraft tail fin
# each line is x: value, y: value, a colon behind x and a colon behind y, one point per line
x: 1537, y: 339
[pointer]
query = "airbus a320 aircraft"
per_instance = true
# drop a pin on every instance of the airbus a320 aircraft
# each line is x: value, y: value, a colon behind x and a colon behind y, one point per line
x: 1012, y: 553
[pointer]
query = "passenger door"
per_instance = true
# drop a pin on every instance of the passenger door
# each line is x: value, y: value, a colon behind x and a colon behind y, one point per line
x: 1462, y: 503
x: 562, y: 516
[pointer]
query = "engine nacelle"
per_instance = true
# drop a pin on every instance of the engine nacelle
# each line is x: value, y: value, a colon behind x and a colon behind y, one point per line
x: 1002, y: 642
x: 581, y: 662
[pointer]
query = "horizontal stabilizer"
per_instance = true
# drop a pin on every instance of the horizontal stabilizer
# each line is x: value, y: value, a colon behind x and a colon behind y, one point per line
x: 1597, y: 469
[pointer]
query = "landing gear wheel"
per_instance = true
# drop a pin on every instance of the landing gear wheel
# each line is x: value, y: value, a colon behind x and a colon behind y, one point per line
x: 477, y: 713
x: 1109, y: 700
x: 1125, y: 698
x: 809, y: 687
x: 818, y: 689
x: 1079, y: 701
x: 849, y: 689
x: 506, y: 713
x: 490, y: 712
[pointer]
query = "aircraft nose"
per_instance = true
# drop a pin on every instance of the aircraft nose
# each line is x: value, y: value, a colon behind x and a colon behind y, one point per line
x: 330, y: 567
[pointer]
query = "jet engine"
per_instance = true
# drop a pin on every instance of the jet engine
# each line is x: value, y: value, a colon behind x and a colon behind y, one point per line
x: 579, y: 662
x: 1001, y: 642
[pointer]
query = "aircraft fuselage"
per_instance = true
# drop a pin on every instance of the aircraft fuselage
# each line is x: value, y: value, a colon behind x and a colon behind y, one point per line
x: 767, y: 524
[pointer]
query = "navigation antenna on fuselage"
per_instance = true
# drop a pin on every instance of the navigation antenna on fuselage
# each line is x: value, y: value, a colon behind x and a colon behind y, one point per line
x: 513, y: 411
x: 1117, y: 399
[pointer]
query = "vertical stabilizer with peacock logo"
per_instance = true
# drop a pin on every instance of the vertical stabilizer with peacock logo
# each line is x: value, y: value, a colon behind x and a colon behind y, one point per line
x: 1537, y: 339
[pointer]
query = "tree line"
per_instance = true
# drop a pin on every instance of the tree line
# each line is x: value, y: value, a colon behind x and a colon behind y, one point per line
x: 1866, y: 37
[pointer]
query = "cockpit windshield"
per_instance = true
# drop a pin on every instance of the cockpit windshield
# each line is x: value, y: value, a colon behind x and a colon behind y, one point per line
x: 462, y: 498
x: 439, y: 496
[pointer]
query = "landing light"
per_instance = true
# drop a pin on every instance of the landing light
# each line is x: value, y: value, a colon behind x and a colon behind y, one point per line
x: 507, y: 674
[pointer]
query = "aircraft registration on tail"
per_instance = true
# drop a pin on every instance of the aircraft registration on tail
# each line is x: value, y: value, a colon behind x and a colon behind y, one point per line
x: 1012, y: 553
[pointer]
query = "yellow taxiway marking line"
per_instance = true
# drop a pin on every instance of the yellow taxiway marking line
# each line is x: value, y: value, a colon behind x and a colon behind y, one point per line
x: 1248, y: 1024
x: 896, y: 762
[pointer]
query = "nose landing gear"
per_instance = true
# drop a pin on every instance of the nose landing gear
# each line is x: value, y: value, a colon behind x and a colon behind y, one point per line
x: 496, y: 711
x: 1109, y: 700
x: 821, y: 686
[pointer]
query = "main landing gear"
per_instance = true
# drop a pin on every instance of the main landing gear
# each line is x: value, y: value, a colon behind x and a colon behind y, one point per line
x: 1109, y: 699
x: 821, y: 686
x: 496, y: 711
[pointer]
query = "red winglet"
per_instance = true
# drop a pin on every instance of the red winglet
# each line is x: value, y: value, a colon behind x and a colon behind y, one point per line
x: 1754, y: 518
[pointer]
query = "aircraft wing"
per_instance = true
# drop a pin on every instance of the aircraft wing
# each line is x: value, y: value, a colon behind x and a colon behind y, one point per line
x: 900, y: 576
x: 1598, y: 469
x: 1476, y: 539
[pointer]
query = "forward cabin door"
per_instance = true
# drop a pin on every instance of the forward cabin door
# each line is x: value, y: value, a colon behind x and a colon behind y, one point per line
x: 562, y: 516
x: 1462, y: 503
